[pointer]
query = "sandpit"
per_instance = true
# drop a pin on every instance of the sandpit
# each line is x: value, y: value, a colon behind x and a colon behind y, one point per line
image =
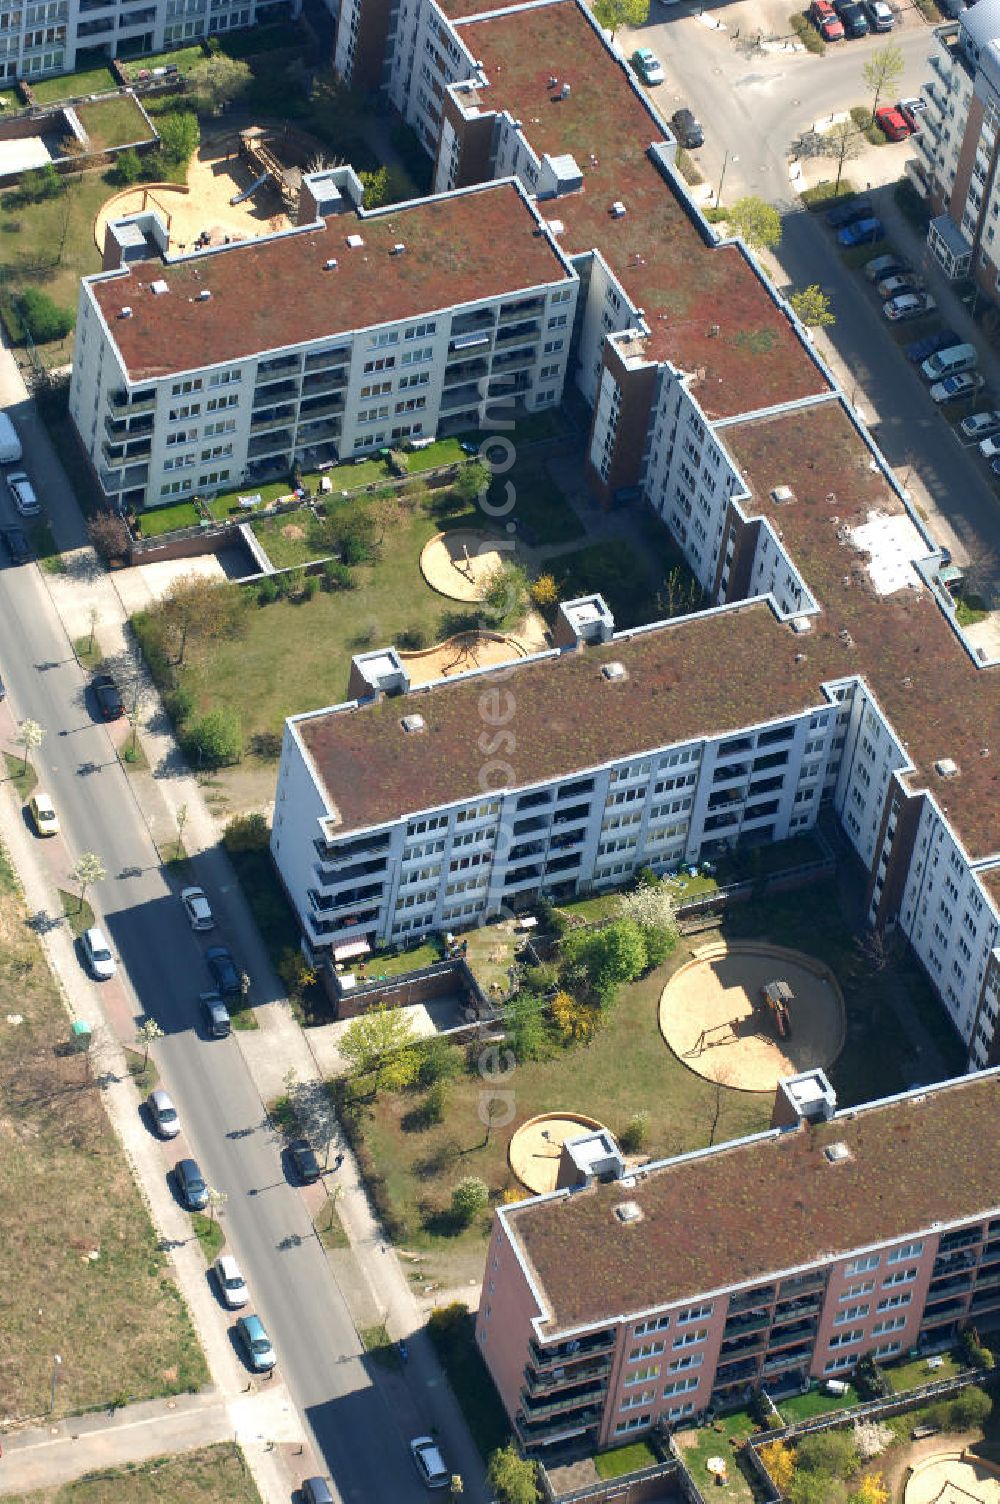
x: 462, y: 653
x: 536, y: 1146
x: 455, y: 564
x: 711, y: 1015
x: 952, y: 1478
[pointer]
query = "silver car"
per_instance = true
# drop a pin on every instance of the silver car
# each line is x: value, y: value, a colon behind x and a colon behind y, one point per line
x: 232, y: 1285
x: 197, y: 908
x: 166, y: 1119
x: 98, y: 954
x: 23, y: 493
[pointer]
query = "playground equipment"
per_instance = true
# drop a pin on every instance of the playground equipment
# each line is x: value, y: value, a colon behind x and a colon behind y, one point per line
x: 249, y: 192
x: 257, y: 147
x: 778, y: 998
x: 724, y: 1033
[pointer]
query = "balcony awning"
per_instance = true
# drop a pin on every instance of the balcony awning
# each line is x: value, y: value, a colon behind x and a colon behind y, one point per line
x: 351, y: 949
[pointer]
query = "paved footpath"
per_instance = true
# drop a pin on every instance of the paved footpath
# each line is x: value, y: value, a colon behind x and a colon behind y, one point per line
x: 370, y: 1275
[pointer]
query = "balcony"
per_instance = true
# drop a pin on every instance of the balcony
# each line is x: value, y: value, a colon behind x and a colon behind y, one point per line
x: 525, y: 849
x: 560, y: 1429
x: 336, y: 853
x: 544, y: 1359
x: 517, y: 334
x: 571, y: 816
x: 949, y: 1285
x: 268, y: 417
x: 348, y: 927
x: 320, y: 359
x: 738, y: 1326
x: 514, y: 360
x: 319, y: 386
x: 952, y: 1263
x: 564, y: 863
x: 571, y: 838
x: 527, y: 308
x: 964, y: 1237
x: 271, y: 443
x: 556, y: 1378
x: 730, y: 773
x: 735, y: 1347
x: 509, y: 384
x: 942, y: 1310
x: 483, y: 319
x: 461, y: 372
x: 794, y: 1358
x: 751, y: 1299
x: 735, y: 1371
x: 328, y: 877
x: 460, y: 397
x: 521, y: 877
x: 795, y: 1310
x: 541, y: 1408
x: 798, y: 1331
x: 274, y: 389
x: 277, y: 365
x: 136, y: 402
x: 805, y: 1284
x: 318, y: 430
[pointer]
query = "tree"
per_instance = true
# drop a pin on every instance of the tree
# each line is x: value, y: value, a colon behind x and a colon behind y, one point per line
x: 44, y: 318
x: 468, y: 1198
x: 651, y: 907
x: 40, y: 183
x: 136, y: 706
x: 29, y: 736
x: 843, y: 143
x: 831, y: 1452
x: 545, y: 592
x: 196, y: 607
x: 378, y: 1044
x: 871, y: 1490
x: 575, y: 1021
x: 758, y: 223
x: 214, y: 740
x: 179, y: 136
x: 214, y: 82
x: 635, y: 1135
x: 128, y: 167
x: 216, y: 1201
x: 109, y: 535
x: 89, y: 869
x: 779, y: 1459
x: 524, y: 1030
x: 473, y: 481
x: 376, y: 186
x: 148, y: 1033
x: 505, y: 594
x: 882, y: 72
x: 971, y: 1407
x: 812, y: 306
x: 614, y: 14
x: 513, y: 1478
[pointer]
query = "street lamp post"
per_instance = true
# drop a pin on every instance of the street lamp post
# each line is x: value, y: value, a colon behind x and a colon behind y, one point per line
x: 722, y: 176
x: 56, y: 1365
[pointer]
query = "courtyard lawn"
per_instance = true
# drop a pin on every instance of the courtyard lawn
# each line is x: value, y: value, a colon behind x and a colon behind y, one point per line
x: 806, y: 1406
x: 74, y: 85
x: 113, y: 122
x: 208, y: 1475
x: 613, y: 569
x: 159, y: 520
x: 285, y: 539
x: 911, y: 1375
x: 716, y: 1440
x: 625, y: 1460
x: 441, y: 452
x: 540, y: 510
x: 376, y: 967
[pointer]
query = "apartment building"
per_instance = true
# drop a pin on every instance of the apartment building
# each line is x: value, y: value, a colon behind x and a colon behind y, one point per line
x: 957, y: 146
x: 58, y: 36
x: 639, y: 1297
x: 196, y: 373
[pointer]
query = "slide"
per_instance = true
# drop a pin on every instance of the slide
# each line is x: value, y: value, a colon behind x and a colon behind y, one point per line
x: 249, y: 192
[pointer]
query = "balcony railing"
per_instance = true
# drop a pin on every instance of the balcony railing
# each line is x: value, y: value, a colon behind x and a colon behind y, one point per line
x: 749, y: 1299
x: 546, y: 1358
x: 557, y: 1378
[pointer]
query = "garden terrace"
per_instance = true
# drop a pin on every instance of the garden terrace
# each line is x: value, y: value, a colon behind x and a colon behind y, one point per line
x: 939, y: 703
x: 716, y: 317
x: 274, y: 292
x: 913, y: 1163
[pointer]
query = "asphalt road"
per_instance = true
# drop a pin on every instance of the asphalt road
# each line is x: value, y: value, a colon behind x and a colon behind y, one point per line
x: 266, y: 1221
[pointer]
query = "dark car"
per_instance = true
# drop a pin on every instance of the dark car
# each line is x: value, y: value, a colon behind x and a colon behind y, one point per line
x: 316, y: 1491
x: 687, y: 129
x: 218, y: 1024
x: 847, y: 212
x: 109, y: 701
x: 862, y: 232
x: 922, y: 349
x: 854, y: 19
x: 15, y: 541
x: 191, y: 1184
x: 223, y: 969
x: 304, y: 1158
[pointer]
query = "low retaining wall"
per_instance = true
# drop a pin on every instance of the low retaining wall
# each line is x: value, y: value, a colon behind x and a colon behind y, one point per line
x: 419, y: 986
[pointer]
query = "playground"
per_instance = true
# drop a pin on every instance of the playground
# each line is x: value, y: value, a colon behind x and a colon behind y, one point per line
x: 952, y: 1478
x: 745, y: 1015
x: 458, y: 563
x: 464, y: 652
x: 536, y: 1146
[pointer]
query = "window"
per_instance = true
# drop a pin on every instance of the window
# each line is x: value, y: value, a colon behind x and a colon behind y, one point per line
x: 900, y: 1277
x: 847, y: 1339
x: 680, y: 1386
x: 647, y: 1350
x: 907, y: 1251
x: 689, y: 1360
x: 634, y: 1423
x: 688, y: 1339
x: 891, y: 1324
x: 654, y: 1324
x: 893, y: 1302
x: 642, y: 1375
x: 852, y: 1313
x: 862, y: 1265
x: 421, y: 331
x: 225, y: 378
x: 181, y: 388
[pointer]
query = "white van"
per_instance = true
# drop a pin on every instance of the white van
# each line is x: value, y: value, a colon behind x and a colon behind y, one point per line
x: 10, y: 444
x: 950, y: 362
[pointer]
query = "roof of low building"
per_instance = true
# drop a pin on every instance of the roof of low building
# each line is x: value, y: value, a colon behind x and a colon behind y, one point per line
x: 278, y: 291
x: 749, y: 1210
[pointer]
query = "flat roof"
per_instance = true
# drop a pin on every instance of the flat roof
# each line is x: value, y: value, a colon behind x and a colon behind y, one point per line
x: 270, y: 293
x: 911, y: 1162
x: 708, y: 310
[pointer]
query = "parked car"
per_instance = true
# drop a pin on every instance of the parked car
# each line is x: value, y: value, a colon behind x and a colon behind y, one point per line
x: 931, y: 344
x: 191, y: 1184
x: 862, y: 232
x: 648, y: 66
x: 23, y: 493
x: 990, y: 449
x: 854, y: 19
x: 950, y: 362
x: 908, y: 305
x: 687, y: 129
x: 166, y: 1118
x: 43, y: 815
x: 957, y: 388
x: 256, y: 1344
x: 197, y: 908
x: 109, y: 700
x: 880, y: 17
x: 217, y: 1020
x: 10, y: 444
x: 15, y: 541
x: 995, y: 467
x: 98, y: 955
x: 429, y: 1463
x: 316, y: 1491
x: 3, y: 690
x: 826, y: 21
x: 981, y: 425
x: 223, y: 969
x: 912, y: 109
x: 892, y: 122
x: 305, y: 1160
x: 897, y: 282
x: 232, y: 1285
x: 889, y: 265
x: 848, y: 211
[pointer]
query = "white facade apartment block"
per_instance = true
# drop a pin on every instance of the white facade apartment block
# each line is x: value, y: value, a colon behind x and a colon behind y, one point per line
x: 868, y: 759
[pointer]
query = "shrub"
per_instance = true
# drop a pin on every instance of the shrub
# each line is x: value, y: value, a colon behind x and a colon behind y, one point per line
x: 869, y: 1380
x: 831, y: 1452
x: 976, y: 1354
x: 109, y: 535
x: 434, y: 1103
x: 575, y: 1021
x: 356, y: 546
x: 179, y: 703
x: 43, y: 317
x: 439, y: 1061
x: 267, y: 591
x: 970, y: 1408
x: 505, y: 594
x: 807, y: 34
x: 246, y: 833
x: 40, y: 183
x: 862, y: 118
x: 469, y: 1197
x: 179, y: 136
x: 545, y: 592
x: 337, y: 576
x: 127, y: 168
x: 822, y: 196
x: 687, y: 169
x: 413, y: 637
x: 524, y: 1028
x: 214, y: 740
x: 266, y: 744
x: 512, y: 1478
x: 635, y: 1135
x: 310, y: 585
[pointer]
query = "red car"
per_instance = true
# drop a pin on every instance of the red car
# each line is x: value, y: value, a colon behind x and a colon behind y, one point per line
x: 892, y: 122
x: 826, y: 21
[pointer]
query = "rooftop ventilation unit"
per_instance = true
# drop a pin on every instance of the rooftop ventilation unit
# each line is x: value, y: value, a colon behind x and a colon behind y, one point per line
x: 330, y: 265
x: 801, y: 624
x: 782, y: 495
x: 614, y: 671
x: 413, y: 723
x: 397, y: 250
x: 204, y: 295
x: 158, y: 288
x: 124, y: 313
x: 354, y: 241
x: 565, y: 91
x: 837, y: 1153
x: 628, y: 1211
x: 946, y: 767
x: 618, y: 209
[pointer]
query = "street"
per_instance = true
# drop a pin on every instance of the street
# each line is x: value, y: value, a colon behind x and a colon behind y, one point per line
x: 224, y: 1124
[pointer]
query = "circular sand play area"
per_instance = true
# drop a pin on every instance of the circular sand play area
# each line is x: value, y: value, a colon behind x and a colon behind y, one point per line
x: 952, y: 1478
x: 536, y: 1146
x: 456, y: 564
x: 460, y: 654
x: 714, y: 1017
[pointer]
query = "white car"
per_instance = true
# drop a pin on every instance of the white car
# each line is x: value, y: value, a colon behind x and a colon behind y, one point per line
x: 989, y: 449
x: 197, y: 908
x: 232, y: 1285
x: 23, y: 493
x: 98, y: 954
x: 981, y: 425
x: 956, y: 388
x: 648, y: 66
x: 908, y: 305
x: 896, y: 283
x: 429, y: 1462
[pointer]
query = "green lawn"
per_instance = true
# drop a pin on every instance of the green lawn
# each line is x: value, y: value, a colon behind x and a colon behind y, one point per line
x: 442, y: 452
x: 113, y: 122
x: 74, y: 85
x: 285, y: 538
x: 427, y: 954
x: 182, y: 58
x: 613, y: 569
x: 539, y: 506
x: 23, y: 777
x: 970, y: 609
x: 79, y: 916
x: 379, y: 1345
x: 911, y: 1375
x: 158, y: 520
x: 715, y: 1441
x: 805, y: 1406
x: 207, y: 1475
x: 208, y: 1231
x: 625, y: 1460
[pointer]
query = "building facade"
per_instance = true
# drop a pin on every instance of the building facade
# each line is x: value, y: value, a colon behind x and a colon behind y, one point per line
x: 638, y: 1297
